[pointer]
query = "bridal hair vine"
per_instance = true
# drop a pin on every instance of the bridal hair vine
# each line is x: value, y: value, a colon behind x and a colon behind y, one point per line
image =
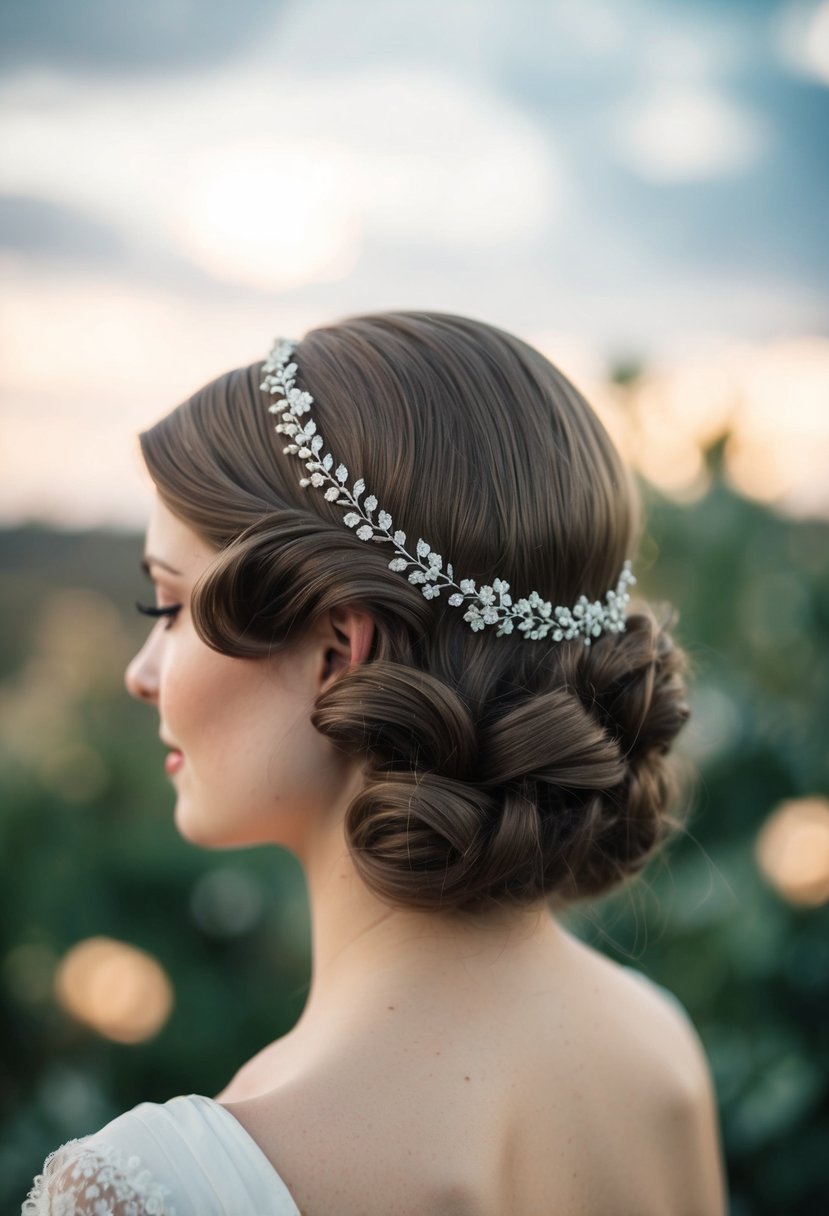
x: 488, y: 605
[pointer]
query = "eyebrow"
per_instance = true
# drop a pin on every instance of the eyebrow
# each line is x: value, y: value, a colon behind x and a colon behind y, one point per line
x: 148, y: 561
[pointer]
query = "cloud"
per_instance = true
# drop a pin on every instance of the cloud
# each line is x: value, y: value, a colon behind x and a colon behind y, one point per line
x: 801, y: 34
x: 438, y: 159
x: 230, y: 169
x: 155, y: 36
x: 36, y: 225
x: 688, y: 134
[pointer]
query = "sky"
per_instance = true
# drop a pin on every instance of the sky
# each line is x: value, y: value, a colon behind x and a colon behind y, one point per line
x: 614, y: 180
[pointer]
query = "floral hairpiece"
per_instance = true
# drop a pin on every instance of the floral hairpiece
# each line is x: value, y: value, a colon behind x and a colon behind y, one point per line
x: 488, y: 605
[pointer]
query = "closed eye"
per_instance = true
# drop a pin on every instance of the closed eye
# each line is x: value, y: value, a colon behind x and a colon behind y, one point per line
x: 170, y: 610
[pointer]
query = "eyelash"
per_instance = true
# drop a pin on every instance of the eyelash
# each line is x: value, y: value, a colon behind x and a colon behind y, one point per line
x: 171, y: 610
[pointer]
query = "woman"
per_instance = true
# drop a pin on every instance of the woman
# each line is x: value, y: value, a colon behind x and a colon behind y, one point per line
x: 341, y: 666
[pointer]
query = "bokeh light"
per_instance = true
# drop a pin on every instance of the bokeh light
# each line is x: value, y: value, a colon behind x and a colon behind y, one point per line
x: 778, y: 451
x: 793, y: 850
x: 29, y: 972
x: 79, y: 645
x: 226, y: 902
x: 121, y: 992
x: 770, y: 399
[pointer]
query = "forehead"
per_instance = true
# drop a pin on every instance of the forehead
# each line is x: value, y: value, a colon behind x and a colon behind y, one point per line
x: 172, y: 541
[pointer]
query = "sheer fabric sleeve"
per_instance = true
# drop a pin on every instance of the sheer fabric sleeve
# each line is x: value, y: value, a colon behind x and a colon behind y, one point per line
x: 85, y: 1178
x: 188, y: 1156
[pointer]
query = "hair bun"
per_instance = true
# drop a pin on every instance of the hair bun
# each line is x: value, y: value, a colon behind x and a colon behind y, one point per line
x: 636, y: 687
x: 401, y: 718
x: 562, y: 795
x: 422, y: 839
x: 551, y: 737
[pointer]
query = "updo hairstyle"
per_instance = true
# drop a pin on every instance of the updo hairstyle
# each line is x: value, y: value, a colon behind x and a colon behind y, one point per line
x: 499, y: 770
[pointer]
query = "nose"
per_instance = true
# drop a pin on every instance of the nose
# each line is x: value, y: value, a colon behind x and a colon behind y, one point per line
x: 141, y: 676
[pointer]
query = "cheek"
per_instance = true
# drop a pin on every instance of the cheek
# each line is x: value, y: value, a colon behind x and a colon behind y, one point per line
x: 253, y: 761
x: 189, y: 692
x: 220, y: 709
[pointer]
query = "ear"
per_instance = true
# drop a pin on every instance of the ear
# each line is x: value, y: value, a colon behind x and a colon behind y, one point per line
x: 346, y: 639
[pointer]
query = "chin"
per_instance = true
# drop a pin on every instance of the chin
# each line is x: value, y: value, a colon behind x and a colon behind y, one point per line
x: 195, y: 825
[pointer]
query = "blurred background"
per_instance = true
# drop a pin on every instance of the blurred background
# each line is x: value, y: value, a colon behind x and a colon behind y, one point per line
x: 637, y: 187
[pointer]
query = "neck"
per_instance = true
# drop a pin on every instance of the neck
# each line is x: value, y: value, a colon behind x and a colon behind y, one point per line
x: 369, y: 958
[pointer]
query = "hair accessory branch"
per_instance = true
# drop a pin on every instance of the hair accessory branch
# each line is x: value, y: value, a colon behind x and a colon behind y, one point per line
x: 488, y: 605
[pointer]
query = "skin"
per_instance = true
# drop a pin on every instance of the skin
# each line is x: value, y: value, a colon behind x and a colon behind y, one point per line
x: 455, y: 1013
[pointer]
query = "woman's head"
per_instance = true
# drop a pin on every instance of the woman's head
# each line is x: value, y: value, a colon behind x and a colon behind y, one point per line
x: 496, y: 769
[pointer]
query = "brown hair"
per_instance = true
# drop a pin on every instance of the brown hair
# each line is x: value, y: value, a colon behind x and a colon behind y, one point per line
x: 498, y: 769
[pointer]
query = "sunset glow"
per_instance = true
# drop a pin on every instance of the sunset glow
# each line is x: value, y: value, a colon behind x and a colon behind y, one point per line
x: 269, y: 217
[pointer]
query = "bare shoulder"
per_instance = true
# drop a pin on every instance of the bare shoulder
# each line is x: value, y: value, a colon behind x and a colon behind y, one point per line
x: 691, y: 1126
x: 258, y: 1074
x: 667, y: 1054
x: 647, y: 1012
x: 692, y: 1094
x: 628, y: 1072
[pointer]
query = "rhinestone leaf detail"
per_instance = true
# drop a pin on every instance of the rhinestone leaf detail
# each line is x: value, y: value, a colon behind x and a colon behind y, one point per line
x: 534, y: 617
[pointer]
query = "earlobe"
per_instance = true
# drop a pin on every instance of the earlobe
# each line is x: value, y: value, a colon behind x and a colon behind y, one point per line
x: 349, y: 640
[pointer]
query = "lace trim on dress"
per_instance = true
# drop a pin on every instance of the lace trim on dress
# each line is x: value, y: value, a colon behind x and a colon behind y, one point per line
x: 81, y: 1179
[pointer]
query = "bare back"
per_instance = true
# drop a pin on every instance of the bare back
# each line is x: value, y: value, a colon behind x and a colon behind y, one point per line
x: 587, y: 1096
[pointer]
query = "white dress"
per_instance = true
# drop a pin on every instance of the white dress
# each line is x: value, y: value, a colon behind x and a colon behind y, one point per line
x: 185, y: 1157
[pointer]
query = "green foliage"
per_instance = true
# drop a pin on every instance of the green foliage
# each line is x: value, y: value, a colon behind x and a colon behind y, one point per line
x: 89, y: 848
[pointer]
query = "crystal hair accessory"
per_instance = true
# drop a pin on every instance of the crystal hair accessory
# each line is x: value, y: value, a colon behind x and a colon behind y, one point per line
x: 488, y: 605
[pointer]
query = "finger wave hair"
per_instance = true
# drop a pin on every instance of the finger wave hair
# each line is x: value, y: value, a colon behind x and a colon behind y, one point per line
x: 498, y: 770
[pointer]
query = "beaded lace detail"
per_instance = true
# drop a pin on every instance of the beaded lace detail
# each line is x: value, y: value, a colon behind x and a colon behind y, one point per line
x: 82, y: 1179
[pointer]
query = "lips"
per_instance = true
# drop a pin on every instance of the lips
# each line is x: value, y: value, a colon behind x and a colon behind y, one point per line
x: 173, y: 762
x: 174, y: 759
